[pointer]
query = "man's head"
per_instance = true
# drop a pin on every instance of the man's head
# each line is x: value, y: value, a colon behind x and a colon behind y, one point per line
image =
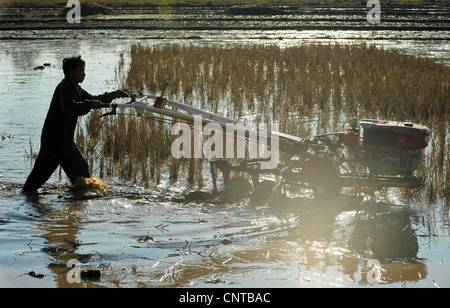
x: 73, y: 68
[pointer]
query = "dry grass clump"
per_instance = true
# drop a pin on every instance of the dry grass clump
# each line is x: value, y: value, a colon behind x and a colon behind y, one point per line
x: 274, y: 81
x: 306, y: 89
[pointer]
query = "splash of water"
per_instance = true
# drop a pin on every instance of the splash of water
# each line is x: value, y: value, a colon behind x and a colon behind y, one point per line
x: 91, y: 184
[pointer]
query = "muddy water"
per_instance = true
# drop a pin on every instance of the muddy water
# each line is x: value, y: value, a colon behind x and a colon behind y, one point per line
x: 147, y: 238
x: 152, y: 237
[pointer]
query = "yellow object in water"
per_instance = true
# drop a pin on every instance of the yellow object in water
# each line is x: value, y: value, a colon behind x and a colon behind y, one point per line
x: 91, y: 184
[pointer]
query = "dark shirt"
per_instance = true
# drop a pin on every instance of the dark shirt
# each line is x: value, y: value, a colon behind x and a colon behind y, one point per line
x: 68, y: 103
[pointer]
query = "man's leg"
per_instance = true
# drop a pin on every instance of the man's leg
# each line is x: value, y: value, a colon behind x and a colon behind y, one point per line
x: 43, y: 169
x: 75, y: 166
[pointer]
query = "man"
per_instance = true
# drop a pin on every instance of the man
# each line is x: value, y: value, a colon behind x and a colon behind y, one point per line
x: 57, y: 140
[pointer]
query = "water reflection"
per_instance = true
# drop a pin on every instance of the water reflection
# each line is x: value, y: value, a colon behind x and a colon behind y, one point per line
x: 386, y: 235
x: 300, y: 242
x: 62, y: 243
x: 350, y: 233
x: 60, y: 223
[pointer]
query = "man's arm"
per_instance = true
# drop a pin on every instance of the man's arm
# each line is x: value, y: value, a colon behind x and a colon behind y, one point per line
x: 69, y: 105
x: 105, y: 98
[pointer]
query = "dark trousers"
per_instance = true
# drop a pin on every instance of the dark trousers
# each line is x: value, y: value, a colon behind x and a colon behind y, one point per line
x: 73, y: 164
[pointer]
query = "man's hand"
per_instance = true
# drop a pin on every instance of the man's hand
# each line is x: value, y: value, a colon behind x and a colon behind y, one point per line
x: 107, y: 98
x: 119, y: 94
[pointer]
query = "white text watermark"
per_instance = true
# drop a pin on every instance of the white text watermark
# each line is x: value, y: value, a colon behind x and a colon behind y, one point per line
x: 74, y: 14
x: 74, y: 275
x: 374, y: 274
x: 239, y: 140
x: 374, y: 14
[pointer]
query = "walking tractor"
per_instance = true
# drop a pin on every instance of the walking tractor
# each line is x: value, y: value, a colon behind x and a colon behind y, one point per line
x: 368, y: 153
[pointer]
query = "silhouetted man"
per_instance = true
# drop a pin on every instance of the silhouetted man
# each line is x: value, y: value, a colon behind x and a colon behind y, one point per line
x: 57, y: 140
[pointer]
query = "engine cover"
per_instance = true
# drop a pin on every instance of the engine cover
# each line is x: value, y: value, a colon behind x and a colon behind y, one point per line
x: 404, y: 164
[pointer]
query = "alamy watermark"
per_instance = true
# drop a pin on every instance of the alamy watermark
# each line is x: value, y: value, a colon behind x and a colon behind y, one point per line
x: 74, y: 14
x: 239, y: 140
x: 374, y: 274
x: 74, y: 275
x: 374, y: 15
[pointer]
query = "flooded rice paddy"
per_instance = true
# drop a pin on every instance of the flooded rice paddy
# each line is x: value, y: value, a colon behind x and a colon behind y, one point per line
x: 133, y: 236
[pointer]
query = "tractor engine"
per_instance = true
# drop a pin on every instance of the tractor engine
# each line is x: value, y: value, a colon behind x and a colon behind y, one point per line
x: 388, y: 147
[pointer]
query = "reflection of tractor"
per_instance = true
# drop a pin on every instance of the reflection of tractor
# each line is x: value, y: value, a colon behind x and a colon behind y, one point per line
x: 378, y: 154
x: 386, y: 234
